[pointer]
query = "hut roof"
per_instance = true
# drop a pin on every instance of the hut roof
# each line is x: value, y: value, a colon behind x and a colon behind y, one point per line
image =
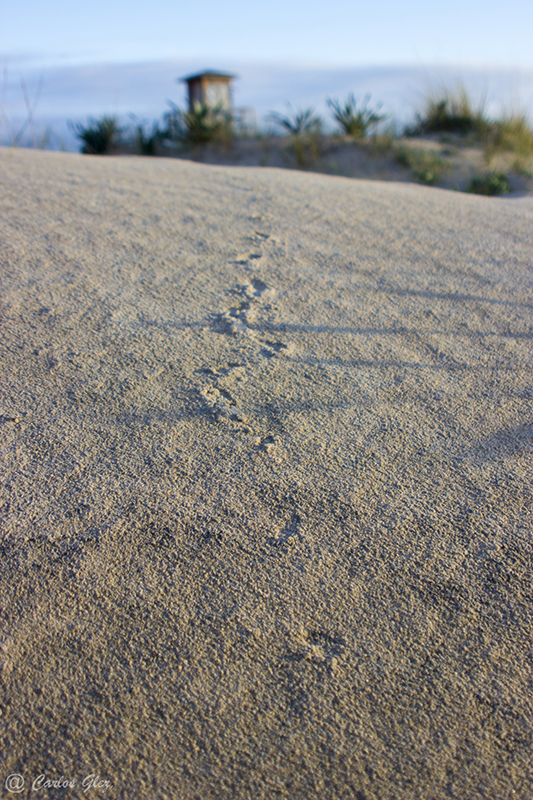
x: 208, y: 73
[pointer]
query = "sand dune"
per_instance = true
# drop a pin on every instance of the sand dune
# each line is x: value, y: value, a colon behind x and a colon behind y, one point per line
x: 266, y: 447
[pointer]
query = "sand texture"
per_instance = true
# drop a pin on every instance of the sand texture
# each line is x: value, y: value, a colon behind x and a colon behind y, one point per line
x: 267, y: 469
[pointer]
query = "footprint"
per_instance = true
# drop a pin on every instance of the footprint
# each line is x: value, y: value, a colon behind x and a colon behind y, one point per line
x: 238, y: 319
x: 288, y: 533
x: 259, y: 289
x: 217, y: 397
x: 257, y: 237
x: 244, y: 258
x: 272, y: 349
x: 222, y: 404
x: 268, y: 444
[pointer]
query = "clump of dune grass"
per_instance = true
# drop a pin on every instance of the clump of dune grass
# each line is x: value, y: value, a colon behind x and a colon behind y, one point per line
x: 355, y: 120
x: 203, y: 125
x: 146, y: 142
x: 491, y: 184
x: 381, y: 143
x: 425, y: 166
x: 511, y: 134
x: 15, y: 137
x: 100, y: 136
x: 306, y: 149
x: 520, y: 168
x: 304, y: 128
x: 452, y: 111
x: 297, y: 123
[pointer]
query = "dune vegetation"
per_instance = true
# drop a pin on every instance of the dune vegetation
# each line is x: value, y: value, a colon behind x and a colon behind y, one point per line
x: 452, y: 143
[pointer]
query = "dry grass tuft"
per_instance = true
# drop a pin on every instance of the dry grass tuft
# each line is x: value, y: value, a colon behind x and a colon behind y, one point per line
x: 425, y: 166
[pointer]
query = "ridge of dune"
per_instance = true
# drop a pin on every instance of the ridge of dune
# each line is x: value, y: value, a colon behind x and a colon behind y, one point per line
x: 266, y: 483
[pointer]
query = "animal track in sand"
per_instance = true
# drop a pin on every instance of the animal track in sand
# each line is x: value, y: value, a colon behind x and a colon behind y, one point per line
x: 259, y: 237
x: 256, y: 239
x: 290, y: 532
x: 244, y: 320
x: 238, y: 319
x: 218, y: 398
x: 244, y: 258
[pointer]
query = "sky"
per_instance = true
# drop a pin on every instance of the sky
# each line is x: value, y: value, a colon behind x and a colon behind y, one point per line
x: 333, y: 33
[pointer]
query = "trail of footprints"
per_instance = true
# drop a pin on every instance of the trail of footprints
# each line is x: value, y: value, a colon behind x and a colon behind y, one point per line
x: 242, y: 322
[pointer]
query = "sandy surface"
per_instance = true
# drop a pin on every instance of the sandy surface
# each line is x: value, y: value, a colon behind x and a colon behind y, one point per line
x: 267, y: 467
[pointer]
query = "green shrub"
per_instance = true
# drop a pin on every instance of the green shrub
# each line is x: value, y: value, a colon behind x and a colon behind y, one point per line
x: 304, y: 129
x: 491, y: 183
x: 297, y: 123
x: 202, y: 126
x: 354, y: 121
x: 305, y: 149
x: 100, y: 136
x: 425, y: 166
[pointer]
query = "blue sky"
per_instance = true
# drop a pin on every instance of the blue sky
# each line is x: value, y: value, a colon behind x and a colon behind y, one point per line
x: 337, y: 32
